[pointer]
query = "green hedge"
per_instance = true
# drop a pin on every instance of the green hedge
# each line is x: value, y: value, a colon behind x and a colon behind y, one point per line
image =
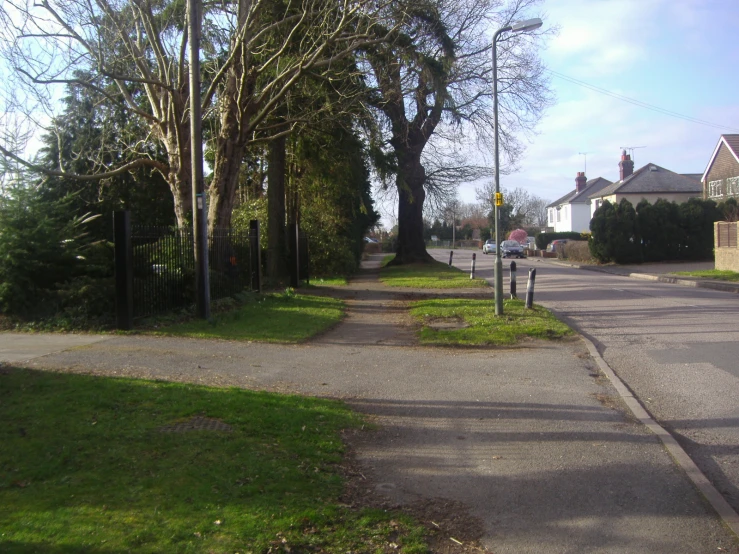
x: 543, y: 239
x: 653, y: 232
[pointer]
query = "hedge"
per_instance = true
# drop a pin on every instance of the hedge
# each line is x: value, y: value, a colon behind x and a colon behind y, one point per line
x: 543, y: 239
x: 653, y: 232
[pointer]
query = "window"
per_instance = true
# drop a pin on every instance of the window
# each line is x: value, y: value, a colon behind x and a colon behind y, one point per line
x: 559, y: 214
x: 715, y: 189
x: 732, y: 186
x: 597, y: 203
x: 551, y: 215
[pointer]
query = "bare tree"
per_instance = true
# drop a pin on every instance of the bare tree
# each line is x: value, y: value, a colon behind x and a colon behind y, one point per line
x: 133, y: 52
x: 528, y: 208
x: 435, y: 81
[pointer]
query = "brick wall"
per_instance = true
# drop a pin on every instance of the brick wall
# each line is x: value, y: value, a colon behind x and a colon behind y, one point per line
x: 725, y: 239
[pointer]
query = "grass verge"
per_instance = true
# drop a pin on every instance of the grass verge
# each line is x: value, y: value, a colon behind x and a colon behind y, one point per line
x: 286, y: 317
x: 435, y: 275
x: 334, y: 281
x: 86, y: 466
x: 479, y: 326
x: 720, y: 274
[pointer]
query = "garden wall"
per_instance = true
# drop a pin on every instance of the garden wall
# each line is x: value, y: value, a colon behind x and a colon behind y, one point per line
x: 726, y: 245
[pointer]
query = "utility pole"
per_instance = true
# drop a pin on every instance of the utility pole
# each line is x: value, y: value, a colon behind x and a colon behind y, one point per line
x: 199, y: 216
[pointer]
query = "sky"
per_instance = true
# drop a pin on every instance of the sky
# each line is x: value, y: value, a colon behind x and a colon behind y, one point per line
x: 676, y: 55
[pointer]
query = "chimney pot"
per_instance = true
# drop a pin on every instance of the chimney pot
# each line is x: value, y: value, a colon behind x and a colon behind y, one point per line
x: 625, y: 166
x: 580, y: 182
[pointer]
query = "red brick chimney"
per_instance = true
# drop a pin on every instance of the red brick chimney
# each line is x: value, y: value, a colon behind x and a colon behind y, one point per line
x: 580, y: 182
x: 625, y: 166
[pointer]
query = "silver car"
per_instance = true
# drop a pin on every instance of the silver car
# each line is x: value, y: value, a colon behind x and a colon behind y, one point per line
x: 488, y: 247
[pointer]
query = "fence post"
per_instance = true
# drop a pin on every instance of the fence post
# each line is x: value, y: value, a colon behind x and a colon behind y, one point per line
x: 451, y: 255
x: 123, y: 270
x: 472, y: 266
x: 530, y: 288
x: 513, y: 279
x: 255, y: 253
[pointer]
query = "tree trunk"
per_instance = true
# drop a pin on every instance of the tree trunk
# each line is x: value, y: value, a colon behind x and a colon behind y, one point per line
x: 179, y: 178
x: 222, y: 189
x: 411, y: 195
x: 276, y: 237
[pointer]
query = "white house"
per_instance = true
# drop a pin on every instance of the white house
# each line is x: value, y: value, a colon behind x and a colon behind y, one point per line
x: 571, y: 213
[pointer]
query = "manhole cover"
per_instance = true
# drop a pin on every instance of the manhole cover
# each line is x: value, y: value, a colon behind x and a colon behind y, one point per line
x: 197, y: 423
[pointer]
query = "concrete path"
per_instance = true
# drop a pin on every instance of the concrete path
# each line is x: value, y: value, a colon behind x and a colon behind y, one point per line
x: 21, y: 347
x: 531, y: 445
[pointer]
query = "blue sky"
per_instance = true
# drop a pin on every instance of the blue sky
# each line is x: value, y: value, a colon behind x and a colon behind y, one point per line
x: 678, y: 55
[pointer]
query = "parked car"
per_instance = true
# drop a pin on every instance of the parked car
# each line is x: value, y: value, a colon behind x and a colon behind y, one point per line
x: 552, y: 246
x: 511, y: 249
x: 488, y: 247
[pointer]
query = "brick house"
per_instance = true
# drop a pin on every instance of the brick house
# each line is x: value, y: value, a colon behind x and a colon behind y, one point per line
x: 721, y: 178
x: 650, y: 183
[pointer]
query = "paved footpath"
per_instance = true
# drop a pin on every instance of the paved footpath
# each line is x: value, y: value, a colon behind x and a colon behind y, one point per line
x: 532, y: 444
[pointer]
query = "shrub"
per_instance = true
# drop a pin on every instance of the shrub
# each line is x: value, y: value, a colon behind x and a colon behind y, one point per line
x: 42, y: 247
x: 577, y: 251
x: 543, y: 239
x: 653, y: 232
x: 518, y: 235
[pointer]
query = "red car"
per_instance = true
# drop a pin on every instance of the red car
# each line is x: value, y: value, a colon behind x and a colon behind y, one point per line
x: 552, y: 246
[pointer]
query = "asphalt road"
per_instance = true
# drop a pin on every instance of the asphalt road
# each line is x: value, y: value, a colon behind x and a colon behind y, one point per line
x: 676, y: 348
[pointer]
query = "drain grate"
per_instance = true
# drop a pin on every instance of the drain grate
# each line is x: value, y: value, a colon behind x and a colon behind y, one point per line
x: 197, y: 423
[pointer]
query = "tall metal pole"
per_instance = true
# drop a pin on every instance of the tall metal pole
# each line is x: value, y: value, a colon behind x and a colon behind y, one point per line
x: 498, y: 262
x: 199, y: 216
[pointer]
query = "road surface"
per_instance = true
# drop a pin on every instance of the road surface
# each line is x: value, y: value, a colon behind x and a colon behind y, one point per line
x: 676, y: 348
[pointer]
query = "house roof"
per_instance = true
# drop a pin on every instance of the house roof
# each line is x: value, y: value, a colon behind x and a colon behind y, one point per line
x: 652, y: 179
x: 696, y: 176
x: 732, y: 144
x: 573, y: 197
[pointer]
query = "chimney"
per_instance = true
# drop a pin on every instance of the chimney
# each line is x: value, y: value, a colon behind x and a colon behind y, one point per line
x: 625, y: 166
x: 580, y: 182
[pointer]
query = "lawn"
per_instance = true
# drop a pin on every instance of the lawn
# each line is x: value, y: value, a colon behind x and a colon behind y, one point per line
x: 435, y: 275
x: 478, y: 324
x: 720, y: 274
x: 285, y: 317
x: 333, y: 281
x: 99, y: 465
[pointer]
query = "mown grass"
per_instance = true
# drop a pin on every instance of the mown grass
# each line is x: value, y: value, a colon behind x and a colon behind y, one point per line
x: 86, y: 467
x: 435, y: 275
x: 334, y: 281
x: 285, y: 317
x: 720, y: 274
x: 483, y: 327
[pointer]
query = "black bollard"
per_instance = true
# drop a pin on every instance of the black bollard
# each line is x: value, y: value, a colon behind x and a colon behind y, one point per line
x: 530, y: 288
x: 472, y: 267
x: 451, y: 254
x: 513, y: 280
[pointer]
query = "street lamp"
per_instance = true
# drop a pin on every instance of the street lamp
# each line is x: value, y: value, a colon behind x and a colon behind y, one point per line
x: 520, y: 27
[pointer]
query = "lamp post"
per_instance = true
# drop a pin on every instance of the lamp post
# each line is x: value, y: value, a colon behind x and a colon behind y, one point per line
x: 520, y: 27
x: 199, y: 216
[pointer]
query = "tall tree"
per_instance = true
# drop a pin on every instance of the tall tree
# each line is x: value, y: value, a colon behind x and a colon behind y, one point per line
x: 435, y: 79
x: 139, y: 47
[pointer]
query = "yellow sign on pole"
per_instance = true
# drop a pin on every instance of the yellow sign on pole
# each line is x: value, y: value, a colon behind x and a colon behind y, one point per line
x: 498, y: 198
